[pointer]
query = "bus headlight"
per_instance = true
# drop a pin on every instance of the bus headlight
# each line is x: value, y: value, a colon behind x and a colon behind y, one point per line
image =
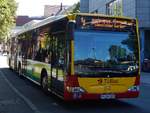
x: 78, y: 90
x: 75, y: 89
x: 134, y: 88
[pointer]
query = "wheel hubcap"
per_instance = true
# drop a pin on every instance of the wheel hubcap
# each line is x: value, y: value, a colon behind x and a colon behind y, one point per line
x: 19, y: 71
x: 44, y: 82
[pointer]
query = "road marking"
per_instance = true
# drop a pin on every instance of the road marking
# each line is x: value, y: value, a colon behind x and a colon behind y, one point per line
x: 27, y: 101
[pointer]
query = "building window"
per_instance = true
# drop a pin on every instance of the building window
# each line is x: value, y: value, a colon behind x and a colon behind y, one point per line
x: 146, y: 45
x: 114, y: 8
x: 95, y: 11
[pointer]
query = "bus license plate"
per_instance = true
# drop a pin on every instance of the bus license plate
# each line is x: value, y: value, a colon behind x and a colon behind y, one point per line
x: 108, y: 96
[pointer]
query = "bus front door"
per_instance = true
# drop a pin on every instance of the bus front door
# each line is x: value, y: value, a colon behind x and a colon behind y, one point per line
x: 57, y: 71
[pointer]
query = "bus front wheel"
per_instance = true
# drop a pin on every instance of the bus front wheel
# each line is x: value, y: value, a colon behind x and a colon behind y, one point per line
x: 9, y: 64
x: 44, y: 82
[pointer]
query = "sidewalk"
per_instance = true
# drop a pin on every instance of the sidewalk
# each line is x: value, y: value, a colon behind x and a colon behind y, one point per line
x: 3, y: 61
x: 145, y: 78
x: 10, y: 101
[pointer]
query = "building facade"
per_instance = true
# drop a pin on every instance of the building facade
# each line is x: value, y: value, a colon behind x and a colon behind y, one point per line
x: 84, y: 6
x: 139, y: 9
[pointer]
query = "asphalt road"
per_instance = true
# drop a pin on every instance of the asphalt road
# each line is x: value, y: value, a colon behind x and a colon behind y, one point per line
x: 19, y: 95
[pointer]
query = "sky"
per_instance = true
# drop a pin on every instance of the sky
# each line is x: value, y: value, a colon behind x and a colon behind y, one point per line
x: 36, y: 7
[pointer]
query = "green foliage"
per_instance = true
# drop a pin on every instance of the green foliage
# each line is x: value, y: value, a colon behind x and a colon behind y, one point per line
x: 77, y: 8
x: 7, y: 17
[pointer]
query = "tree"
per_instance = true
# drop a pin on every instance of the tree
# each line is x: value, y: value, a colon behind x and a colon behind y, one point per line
x: 7, y: 17
x: 77, y: 8
x: 131, y: 43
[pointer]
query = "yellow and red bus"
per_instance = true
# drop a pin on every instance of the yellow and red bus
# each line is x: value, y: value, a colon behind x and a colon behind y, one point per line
x: 80, y: 56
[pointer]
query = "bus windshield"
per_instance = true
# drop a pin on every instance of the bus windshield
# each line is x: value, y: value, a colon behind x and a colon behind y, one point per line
x: 105, y: 52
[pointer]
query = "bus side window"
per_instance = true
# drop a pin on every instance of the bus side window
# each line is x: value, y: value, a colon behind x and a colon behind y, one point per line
x: 54, y: 51
x: 47, y: 53
x: 41, y: 51
x: 58, y: 56
x: 61, y: 49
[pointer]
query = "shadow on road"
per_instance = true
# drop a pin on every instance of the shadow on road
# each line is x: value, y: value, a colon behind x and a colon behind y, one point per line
x: 103, y: 105
x: 51, y: 102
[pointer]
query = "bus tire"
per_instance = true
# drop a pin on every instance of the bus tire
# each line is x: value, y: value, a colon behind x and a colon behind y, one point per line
x: 9, y: 64
x: 44, y: 82
x: 19, y: 70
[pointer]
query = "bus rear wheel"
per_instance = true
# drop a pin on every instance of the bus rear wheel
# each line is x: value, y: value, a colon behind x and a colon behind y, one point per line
x: 44, y: 83
x: 9, y: 64
x: 19, y: 70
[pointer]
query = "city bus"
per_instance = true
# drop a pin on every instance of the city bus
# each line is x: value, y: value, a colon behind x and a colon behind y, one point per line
x: 80, y: 56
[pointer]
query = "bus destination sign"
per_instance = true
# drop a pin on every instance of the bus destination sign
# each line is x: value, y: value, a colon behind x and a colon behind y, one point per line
x: 94, y: 22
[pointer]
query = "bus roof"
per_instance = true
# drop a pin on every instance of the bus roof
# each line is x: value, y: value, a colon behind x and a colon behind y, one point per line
x: 59, y: 17
x: 102, y: 15
x: 41, y: 23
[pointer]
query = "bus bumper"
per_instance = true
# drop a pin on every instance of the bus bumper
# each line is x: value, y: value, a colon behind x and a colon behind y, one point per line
x: 70, y: 96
